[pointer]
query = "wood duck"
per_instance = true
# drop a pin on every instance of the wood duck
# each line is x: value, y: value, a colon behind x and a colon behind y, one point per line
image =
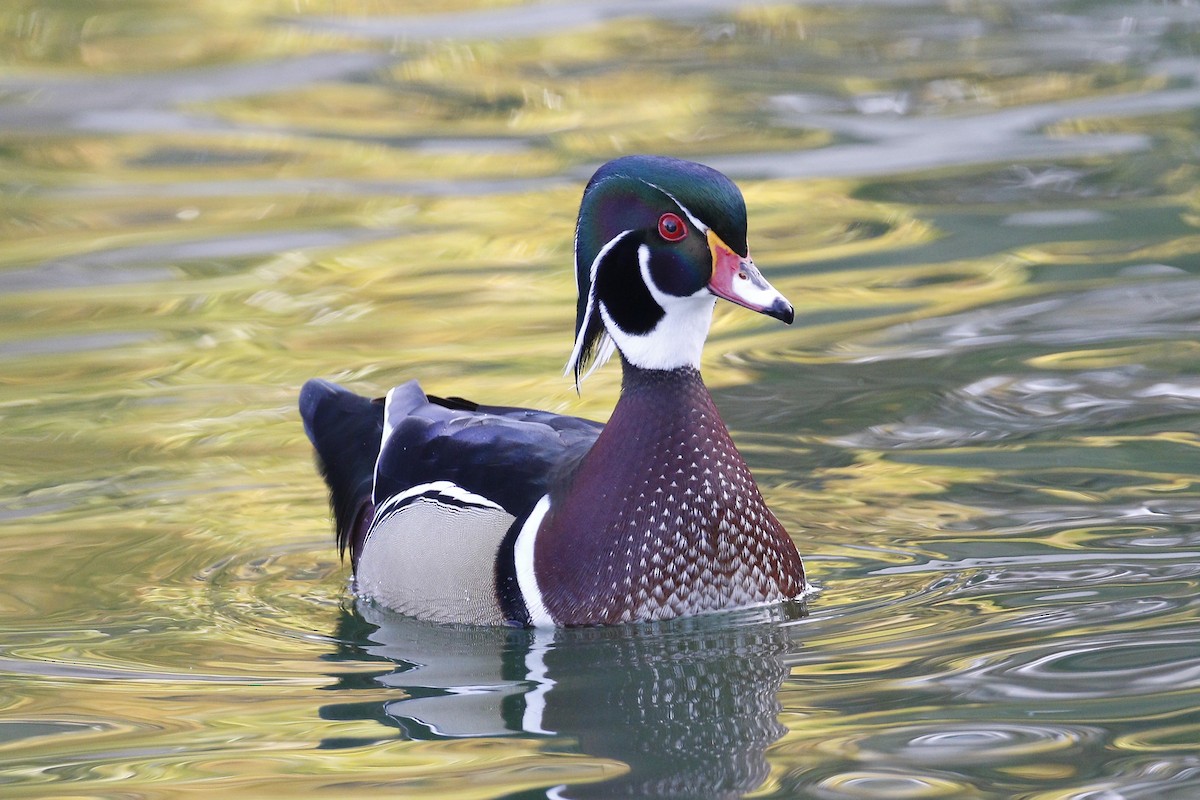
x: 465, y: 513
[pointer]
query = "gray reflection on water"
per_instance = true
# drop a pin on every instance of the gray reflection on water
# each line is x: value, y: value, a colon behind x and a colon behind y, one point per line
x: 1003, y: 407
x: 324, y: 187
x: 896, y: 143
x: 537, y: 19
x: 1084, y: 667
x: 137, y: 103
x: 1143, y: 778
x: 1152, y: 309
x: 962, y: 743
x: 101, y: 267
x: 1155, y: 513
x: 1107, y: 571
x: 81, y: 343
x: 1058, y: 217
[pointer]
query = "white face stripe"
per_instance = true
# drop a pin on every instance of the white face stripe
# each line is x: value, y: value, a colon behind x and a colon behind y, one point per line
x: 687, y: 212
x: 577, y: 350
x: 523, y: 561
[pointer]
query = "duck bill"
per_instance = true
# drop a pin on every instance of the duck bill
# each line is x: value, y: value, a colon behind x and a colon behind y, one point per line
x: 736, y: 279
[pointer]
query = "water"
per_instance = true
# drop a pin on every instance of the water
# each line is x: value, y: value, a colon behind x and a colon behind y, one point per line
x: 981, y: 430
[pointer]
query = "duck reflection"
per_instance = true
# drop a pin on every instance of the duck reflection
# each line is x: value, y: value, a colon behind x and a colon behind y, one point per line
x: 689, y: 705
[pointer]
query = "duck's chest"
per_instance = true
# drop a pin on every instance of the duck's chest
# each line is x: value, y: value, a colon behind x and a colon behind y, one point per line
x: 662, y: 519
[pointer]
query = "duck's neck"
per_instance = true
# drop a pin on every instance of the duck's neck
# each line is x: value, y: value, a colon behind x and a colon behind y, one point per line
x: 667, y: 399
x: 662, y: 517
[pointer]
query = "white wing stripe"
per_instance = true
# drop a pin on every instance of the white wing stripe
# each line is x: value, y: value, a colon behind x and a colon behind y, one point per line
x: 447, y: 490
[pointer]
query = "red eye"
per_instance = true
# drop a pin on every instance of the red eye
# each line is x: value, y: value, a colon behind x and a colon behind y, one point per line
x: 671, y: 227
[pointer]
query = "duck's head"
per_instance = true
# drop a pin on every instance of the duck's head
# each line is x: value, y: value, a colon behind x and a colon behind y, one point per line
x: 658, y: 241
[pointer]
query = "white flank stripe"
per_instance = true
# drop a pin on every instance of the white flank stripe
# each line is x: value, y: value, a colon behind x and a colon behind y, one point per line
x: 523, y: 559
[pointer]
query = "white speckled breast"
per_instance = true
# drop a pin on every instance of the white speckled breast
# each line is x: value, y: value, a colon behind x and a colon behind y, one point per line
x: 663, y: 517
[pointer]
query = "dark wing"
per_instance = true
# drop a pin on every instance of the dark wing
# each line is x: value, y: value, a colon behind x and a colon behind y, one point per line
x: 508, y: 455
x: 346, y: 430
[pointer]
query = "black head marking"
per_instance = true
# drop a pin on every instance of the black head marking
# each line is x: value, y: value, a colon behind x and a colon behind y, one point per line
x: 620, y: 288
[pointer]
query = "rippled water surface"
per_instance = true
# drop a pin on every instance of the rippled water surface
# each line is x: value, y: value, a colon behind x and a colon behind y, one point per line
x: 981, y: 431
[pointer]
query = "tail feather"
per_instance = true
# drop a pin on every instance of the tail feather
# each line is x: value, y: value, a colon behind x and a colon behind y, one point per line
x: 345, y: 430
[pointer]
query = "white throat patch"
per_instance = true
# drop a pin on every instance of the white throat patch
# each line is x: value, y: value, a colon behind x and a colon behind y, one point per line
x: 678, y: 338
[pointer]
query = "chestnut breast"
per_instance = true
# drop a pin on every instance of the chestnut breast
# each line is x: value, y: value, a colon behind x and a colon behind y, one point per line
x: 662, y: 517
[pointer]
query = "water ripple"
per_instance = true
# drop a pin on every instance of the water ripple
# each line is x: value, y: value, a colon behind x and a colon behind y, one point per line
x: 1157, y: 778
x: 1157, y: 309
x: 1047, y: 559
x: 952, y: 744
x: 1079, y: 668
x: 136, y: 102
x: 518, y: 21
x: 1001, y: 407
x: 143, y: 263
x: 897, y: 783
x: 1156, y: 522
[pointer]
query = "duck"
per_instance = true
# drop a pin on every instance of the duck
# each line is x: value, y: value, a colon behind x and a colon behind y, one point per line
x: 458, y: 512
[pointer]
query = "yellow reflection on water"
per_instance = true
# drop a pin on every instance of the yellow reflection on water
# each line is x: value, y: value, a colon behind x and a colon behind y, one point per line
x: 206, y: 205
